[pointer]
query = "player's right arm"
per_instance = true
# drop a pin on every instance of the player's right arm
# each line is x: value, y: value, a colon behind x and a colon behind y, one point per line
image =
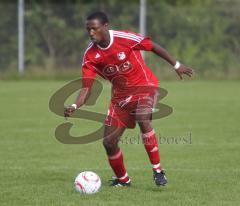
x: 80, y: 100
x: 88, y: 76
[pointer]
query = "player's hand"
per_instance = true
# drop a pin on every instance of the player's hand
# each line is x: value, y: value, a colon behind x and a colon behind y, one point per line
x: 68, y: 111
x: 184, y: 70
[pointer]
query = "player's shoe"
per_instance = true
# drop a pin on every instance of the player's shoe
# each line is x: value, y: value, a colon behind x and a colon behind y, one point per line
x: 160, y: 178
x: 118, y: 183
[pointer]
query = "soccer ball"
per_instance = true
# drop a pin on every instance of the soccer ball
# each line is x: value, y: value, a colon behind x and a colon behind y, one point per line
x: 87, y: 182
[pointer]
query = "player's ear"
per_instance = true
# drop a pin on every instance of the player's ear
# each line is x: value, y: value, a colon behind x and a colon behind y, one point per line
x: 106, y: 25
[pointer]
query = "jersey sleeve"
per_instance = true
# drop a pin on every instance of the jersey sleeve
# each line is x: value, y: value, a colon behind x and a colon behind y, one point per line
x: 134, y: 40
x: 88, y: 73
x: 145, y: 44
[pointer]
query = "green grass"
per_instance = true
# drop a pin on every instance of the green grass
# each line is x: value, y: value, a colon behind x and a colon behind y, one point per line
x: 36, y: 169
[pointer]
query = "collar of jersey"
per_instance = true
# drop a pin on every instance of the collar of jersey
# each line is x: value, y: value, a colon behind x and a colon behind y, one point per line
x: 111, y: 41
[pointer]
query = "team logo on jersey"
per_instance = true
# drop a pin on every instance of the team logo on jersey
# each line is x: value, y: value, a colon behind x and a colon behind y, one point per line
x: 121, y: 55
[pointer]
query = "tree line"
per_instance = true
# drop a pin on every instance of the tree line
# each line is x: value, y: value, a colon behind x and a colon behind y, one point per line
x: 204, y: 34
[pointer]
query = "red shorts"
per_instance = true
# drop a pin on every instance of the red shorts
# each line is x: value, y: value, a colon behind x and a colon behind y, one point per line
x: 123, y: 113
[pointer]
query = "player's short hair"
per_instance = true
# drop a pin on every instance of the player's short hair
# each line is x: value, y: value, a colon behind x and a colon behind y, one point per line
x: 101, y: 16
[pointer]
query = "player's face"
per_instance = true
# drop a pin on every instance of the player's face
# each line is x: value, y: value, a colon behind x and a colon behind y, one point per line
x: 96, y: 30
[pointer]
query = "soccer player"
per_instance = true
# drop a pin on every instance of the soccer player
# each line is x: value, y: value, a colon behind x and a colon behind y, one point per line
x: 115, y: 56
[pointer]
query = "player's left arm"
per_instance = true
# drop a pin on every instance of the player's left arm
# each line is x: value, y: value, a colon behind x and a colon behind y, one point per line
x: 179, y: 68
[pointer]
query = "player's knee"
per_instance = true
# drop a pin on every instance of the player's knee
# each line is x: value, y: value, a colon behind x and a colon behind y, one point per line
x: 145, y: 126
x: 109, y: 143
x: 143, y: 115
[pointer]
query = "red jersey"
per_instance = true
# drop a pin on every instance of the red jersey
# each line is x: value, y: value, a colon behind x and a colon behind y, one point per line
x: 120, y: 62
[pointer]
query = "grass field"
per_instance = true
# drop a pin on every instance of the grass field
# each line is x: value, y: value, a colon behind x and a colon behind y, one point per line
x: 36, y: 169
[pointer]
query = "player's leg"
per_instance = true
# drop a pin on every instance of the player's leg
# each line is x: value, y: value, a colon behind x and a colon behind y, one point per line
x: 112, y: 134
x: 149, y: 138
